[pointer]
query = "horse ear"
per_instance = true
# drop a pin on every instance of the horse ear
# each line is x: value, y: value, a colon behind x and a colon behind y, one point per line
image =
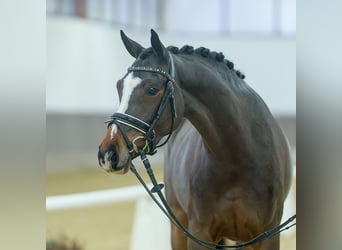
x: 157, y: 46
x: 132, y: 47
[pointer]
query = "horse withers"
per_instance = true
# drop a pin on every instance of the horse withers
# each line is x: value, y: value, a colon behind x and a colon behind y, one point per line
x: 227, y: 168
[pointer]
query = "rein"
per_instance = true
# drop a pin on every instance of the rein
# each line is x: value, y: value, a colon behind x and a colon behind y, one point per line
x: 150, y: 148
x: 165, y: 208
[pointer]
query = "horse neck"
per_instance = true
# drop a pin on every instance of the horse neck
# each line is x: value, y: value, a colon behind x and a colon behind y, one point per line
x: 211, y: 106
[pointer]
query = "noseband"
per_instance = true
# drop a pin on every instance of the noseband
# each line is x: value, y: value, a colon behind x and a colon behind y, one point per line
x: 148, y: 130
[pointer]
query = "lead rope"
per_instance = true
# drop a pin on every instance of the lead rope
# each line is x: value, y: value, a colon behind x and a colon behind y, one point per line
x: 157, y: 187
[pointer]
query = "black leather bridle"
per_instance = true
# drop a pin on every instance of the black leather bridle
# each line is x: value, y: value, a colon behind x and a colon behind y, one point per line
x: 148, y: 130
x: 150, y: 148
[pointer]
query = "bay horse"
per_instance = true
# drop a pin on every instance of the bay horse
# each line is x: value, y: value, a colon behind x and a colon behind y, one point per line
x: 227, y: 165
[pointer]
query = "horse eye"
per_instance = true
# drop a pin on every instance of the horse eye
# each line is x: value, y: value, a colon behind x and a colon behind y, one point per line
x: 152, y: 91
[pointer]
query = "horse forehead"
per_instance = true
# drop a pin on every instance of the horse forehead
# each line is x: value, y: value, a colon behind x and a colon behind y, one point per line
x: 129, y: 84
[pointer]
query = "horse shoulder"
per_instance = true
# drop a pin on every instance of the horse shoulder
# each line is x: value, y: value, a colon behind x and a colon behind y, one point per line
x: 183, y: 159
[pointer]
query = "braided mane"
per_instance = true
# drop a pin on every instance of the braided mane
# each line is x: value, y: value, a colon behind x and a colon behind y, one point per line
x: 204, y: 52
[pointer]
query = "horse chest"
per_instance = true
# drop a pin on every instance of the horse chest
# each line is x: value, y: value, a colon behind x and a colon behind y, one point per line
x: 191, y: 174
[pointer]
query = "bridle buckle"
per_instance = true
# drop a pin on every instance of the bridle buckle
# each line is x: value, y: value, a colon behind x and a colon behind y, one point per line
x: 145, y: 148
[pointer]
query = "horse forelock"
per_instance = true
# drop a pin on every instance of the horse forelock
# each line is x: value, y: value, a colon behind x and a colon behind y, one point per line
x: 146, y: 53
x: 202, y: 51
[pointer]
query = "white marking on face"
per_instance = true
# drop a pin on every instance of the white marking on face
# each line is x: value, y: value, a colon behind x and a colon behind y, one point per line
x: 113, y: 131
x: 129, y: 84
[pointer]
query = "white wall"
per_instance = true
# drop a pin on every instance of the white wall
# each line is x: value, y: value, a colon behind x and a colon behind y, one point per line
x: 85, y: 59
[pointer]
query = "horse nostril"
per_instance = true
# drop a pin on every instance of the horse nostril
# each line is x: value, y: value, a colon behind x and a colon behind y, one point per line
x: 100, y: 158
x: 108, y: 158
x: 112, y: 157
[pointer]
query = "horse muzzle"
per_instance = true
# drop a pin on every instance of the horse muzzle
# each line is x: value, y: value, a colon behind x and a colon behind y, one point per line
x: 110, y: 161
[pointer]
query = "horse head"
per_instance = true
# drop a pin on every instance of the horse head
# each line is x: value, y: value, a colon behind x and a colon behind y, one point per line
x: 151, y: 106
